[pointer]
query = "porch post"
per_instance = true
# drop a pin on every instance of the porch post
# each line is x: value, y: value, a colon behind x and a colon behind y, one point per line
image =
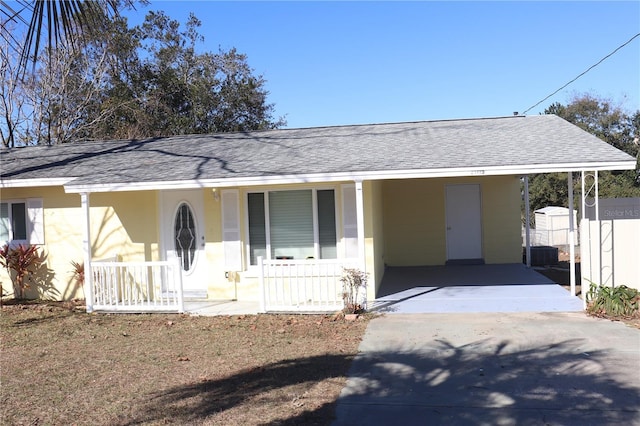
x: 527, y: 216
x: 583, y: 197
x: 86, y: 247
x: 572, y: 248
x: 261, y: 285
x: 362, y: 252
x: 599, y: 227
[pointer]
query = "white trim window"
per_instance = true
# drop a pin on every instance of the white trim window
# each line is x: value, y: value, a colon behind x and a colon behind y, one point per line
x: 21, y: 222
x: 292, y: 224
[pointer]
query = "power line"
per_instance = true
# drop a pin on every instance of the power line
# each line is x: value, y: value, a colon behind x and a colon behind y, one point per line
x: 583, y: 73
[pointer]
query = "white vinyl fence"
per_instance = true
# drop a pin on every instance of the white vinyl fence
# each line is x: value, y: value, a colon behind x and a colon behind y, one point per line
x: 302, y: 285
x: 610, y: 252
x: 137, y: 286
x: 550, y: 237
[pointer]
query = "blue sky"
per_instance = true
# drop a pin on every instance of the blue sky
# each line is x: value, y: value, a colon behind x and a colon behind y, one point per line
x: 333, y: 63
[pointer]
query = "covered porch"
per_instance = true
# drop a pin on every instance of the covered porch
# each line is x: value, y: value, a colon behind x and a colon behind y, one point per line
x: 443, y: 289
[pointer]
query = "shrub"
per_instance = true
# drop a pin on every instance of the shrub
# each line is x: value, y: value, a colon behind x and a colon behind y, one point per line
x: 21, y: 262
x: 78, y: 273
x: 619, y: 301
x: 353, y: 281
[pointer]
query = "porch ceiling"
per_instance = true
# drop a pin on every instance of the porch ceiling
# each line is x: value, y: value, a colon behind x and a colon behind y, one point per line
x: 471, y: 288
x: 471, y: 147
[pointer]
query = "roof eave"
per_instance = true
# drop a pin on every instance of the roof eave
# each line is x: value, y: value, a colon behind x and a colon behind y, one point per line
x: 30, y: 183
x: 350, y: 176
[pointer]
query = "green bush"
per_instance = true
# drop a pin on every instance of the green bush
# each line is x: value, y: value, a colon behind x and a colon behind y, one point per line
x: 619, y: 301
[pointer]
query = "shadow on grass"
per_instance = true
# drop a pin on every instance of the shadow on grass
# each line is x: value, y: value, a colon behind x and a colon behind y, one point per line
x: 195, y: 402
x: 41, y: 319
x: 480, y: 383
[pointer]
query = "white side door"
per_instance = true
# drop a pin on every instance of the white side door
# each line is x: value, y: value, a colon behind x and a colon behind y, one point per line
x: 183, y: 237
x: 464, y: 221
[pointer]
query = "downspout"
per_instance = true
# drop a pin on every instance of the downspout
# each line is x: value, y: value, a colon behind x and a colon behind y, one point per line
x: 572, y: 248
x: 86, y: 247
x: 527, y: 216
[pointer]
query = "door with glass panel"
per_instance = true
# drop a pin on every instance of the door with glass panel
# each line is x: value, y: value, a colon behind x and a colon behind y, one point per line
x: 183, y: 238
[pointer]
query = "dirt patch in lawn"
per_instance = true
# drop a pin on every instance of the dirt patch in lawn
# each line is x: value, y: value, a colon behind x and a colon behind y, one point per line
x: 62, y: 366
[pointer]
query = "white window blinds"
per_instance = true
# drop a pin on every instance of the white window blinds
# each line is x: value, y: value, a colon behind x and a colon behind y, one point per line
x: 291, y: 224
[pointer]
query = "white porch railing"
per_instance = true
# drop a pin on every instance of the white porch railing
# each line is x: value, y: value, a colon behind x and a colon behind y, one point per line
x: 137, y: 286
x: 302, y: 285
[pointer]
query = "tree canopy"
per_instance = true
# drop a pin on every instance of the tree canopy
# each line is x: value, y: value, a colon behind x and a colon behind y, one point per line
x: 131, y: 82
x: 610, y: 123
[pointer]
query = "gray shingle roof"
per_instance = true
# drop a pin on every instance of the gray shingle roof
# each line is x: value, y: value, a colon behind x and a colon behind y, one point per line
x: 451, y: 144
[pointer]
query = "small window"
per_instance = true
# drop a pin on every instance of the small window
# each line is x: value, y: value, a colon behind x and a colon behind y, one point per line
x: 13, y: 221
x: 21, y: 221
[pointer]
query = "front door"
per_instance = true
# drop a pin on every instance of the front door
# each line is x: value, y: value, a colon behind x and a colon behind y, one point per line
x: 183, y: 238
x: 464, y: 222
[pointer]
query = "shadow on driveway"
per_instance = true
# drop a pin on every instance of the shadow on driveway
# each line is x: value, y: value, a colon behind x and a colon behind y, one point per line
x: 494, y: 369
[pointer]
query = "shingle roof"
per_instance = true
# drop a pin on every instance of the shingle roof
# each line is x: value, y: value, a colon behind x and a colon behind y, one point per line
x: 515, y: 142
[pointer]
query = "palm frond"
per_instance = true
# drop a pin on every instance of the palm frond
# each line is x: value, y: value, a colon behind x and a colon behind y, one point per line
x: 64, y: 21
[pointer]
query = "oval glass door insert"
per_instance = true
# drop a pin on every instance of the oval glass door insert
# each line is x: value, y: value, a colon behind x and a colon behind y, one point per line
x: 185, y: 236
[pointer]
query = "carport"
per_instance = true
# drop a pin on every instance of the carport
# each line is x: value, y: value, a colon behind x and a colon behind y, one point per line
x: 469, y: 289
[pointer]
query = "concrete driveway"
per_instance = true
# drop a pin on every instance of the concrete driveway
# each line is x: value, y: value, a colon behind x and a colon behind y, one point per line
x: 494, y: 369
x: 471, y: 288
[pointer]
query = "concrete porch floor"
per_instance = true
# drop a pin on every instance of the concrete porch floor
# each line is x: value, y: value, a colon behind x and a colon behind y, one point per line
x: 443, y: 289
x: 469, y: 289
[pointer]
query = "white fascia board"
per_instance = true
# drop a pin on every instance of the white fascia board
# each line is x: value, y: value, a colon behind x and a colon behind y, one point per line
x: 352, y: 176
x: 30, y: 183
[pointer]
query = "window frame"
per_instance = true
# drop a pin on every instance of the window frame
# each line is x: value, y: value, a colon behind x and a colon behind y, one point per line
x: 316, y: 229
x: 12, y: 241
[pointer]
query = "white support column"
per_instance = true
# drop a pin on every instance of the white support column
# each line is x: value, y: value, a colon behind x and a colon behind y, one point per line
x: 261, y: 285
x: 527, y: 221
x: 572, y: 246
x: 583, y: 197
x: 597, y: 196
x: 362, y: 251
x: 596, y: 204
x: 583, y: 217
x: 86, y: 247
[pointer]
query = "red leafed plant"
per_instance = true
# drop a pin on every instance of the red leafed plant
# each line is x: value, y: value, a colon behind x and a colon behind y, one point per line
x: 20, y: 262
x: 78, y: 273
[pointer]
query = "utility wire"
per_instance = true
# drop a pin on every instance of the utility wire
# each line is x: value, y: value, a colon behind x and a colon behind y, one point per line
x: 583, y: 73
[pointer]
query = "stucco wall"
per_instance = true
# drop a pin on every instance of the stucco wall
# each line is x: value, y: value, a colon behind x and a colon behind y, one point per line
x: 414, y: 220
x: 123, y: 224
x: 62, y: 236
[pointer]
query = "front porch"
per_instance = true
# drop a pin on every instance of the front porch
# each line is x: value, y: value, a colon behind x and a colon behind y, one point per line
x: 444, y: 289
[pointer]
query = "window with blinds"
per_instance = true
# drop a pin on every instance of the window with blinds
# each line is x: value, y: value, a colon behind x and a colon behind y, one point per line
x: 257, y: 228
x: 294, y: 224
